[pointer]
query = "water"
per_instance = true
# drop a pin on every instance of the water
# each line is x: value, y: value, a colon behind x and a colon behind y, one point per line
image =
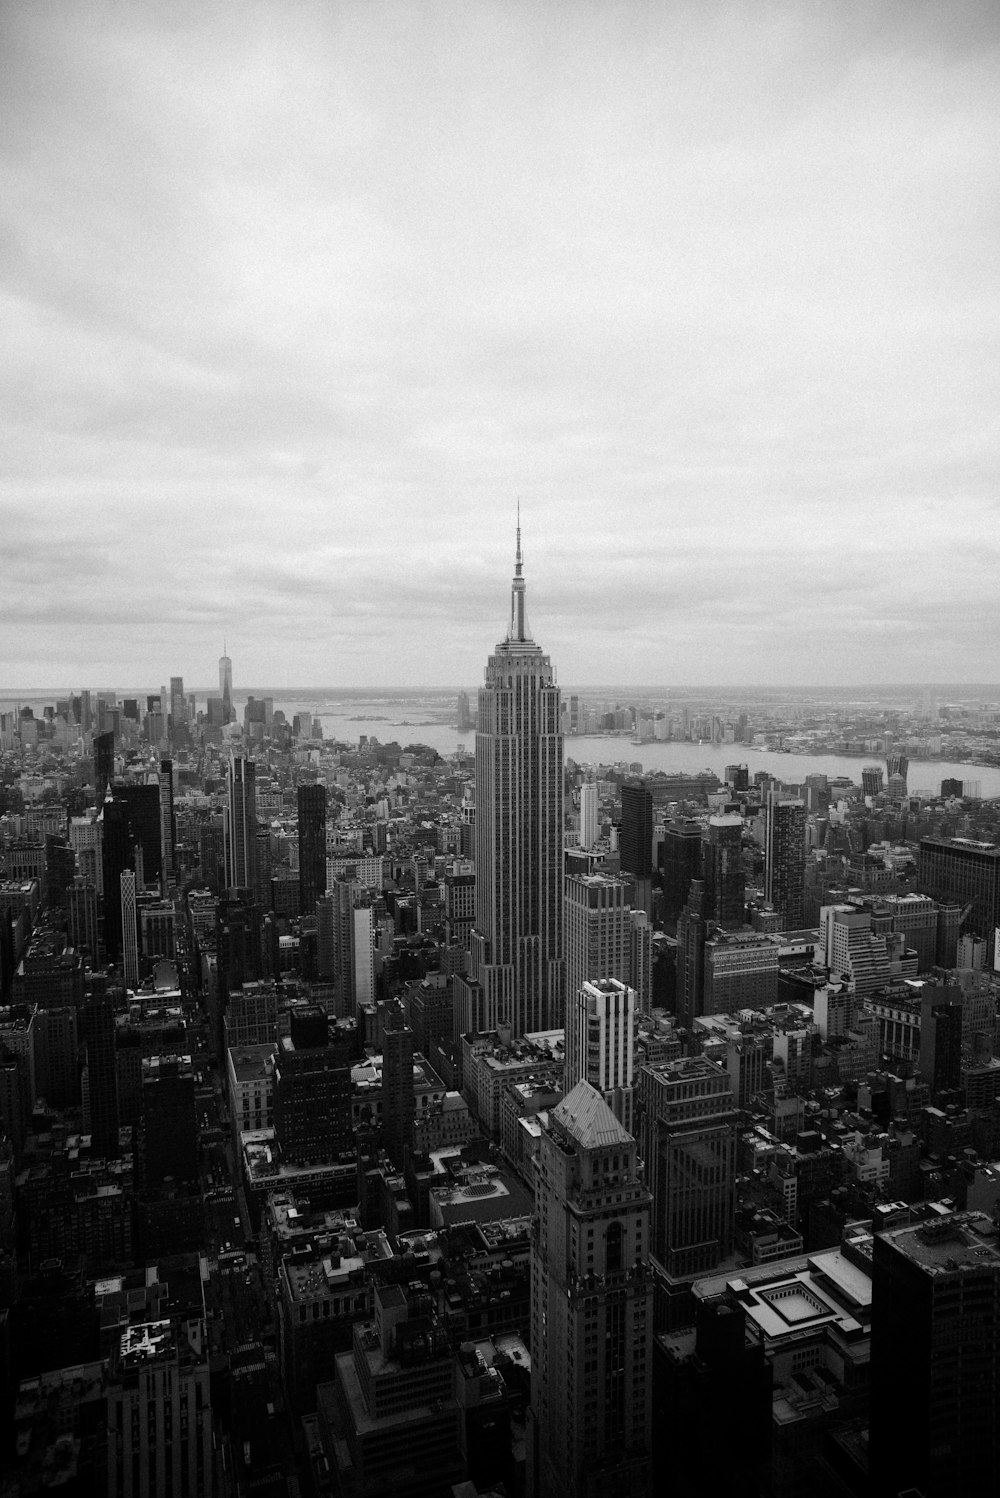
x: 430, y: 720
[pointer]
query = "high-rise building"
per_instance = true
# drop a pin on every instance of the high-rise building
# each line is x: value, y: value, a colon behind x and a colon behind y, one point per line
x: 104, y: 763
x: 117, y: 854
x: 600, y: 1034
x: 311, y: 801
x: 725, y: 883
x: 871, y: 780
x: 687, y: 1131
x: 398, y: 1101
x: 692, y: 933
x: 935, y: 1359
x: 226, y: 686
x: 962, y: 869
x: 241, y: 824
x: 681, y: 864
x: 168, y: 838
x: 516, y: 957
x: 785, y: 858
x: 588, y: 814
x: 97, y: 1030
x: 143, y: 802
x: 312, y: 1092
x: 597, y: 930
x: 591, y: 1308
x: 130, y: 928
x: 635, y: 842
x: 178, y: 703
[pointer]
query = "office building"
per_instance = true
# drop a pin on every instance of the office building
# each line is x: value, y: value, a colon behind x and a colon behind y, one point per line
x: 117, y: 855
x: 785, y: 858
x: 130, y: 929
x: 692, y: 933
x: 178, y: 703
x: 871, y: 780
x: 935, y: 1359
x: 143, y: 802
x: 104, y: 763
x: 591, y: 1307
x: 600, y: 1037
x: 588, y: 814
x: 168, y: 833
x: 398, y: 1098
x: 635, y: 840
x: 312, y: 1092
x: 159, y: 1411
x: 597, y: 929
x: 169, y: 1134
x: 687, y: 1130
x: 963, y: 870
x: 311, y: 804
x: 516, y: 948
x: 100, y: 1083
x: 226, y: 686
x: 241, y: 824
x: 722, y: 863
x: 681, y: 864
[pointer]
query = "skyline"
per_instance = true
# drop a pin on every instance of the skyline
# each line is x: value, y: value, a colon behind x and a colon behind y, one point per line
x: 297, y: 313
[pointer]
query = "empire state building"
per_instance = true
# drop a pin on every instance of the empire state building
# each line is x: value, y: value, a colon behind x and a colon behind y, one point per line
x: 516, y: 973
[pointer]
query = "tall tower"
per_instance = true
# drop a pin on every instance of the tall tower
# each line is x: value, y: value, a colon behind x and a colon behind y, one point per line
x: 516, y: 967
x: 597, y: 931
x: 591, y: 1307
x: 241, y: 824
x: 722, y: 860
x: 600, y: 1032
x: 226, y: 686
x: 130, y: 929
x: 312, y: 846
x: 588, y: 814
x: 168, y: 866
x: 785, y: 857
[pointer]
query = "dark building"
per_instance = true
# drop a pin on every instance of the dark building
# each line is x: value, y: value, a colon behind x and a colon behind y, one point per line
x: 952, y: 787
x: 725, y: 883
x: 959, y: 868
x: 312, y: 1092
x: 681, y: 864
x: 692, y: 931
x: 935, y: 1359
x: 785, y: 858
x: 169, y: 1144
x: 312, y: 846
x: 635, y: 842
x: 97, y: 1031
x: 117, y: 854
x: 168, y: 823
x: 60, y: 870
x: 104, y: 763
x: 398, y: 1103
x: 941, y: 1040
x: 143, y: 802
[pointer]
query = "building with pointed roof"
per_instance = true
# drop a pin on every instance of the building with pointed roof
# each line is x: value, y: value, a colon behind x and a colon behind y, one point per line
x: 591, y: 1307
x: 516, y: 973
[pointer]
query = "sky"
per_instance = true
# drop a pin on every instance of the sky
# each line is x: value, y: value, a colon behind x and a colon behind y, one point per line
x: 299, y: 300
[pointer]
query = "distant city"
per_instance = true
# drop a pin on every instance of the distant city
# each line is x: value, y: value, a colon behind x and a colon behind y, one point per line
x: 500, y: 1091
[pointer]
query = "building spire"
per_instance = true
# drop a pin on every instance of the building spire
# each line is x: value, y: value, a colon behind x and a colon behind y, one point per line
x: 518, y: 630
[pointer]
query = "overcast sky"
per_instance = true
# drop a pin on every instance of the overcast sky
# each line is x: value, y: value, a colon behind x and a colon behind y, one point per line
x: 299, y: 298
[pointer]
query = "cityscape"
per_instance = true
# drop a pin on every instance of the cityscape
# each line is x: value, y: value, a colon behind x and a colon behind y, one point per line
x: 499, y: 749
x: 382, y: 1120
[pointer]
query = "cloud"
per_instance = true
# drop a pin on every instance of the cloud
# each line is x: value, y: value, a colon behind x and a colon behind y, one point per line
x: 300, y: 298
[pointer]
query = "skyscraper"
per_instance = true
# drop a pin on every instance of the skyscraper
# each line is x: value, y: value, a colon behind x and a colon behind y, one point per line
x: 312, y: 846
x: 178, y: 705
x: 241, y: 824
x: 636, y: 840
x: 516, y: 966
x: 597, y: 930
x: 130, y: 929
x: 588, y: 814
x: 591, y: 1308
x: 935, y: 1359
x: 600, y: 1031
x: 785, y: 857
x: 226, y: 686
x: 722, y: 859
x: 168, y: 865
x: 104, y: 763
